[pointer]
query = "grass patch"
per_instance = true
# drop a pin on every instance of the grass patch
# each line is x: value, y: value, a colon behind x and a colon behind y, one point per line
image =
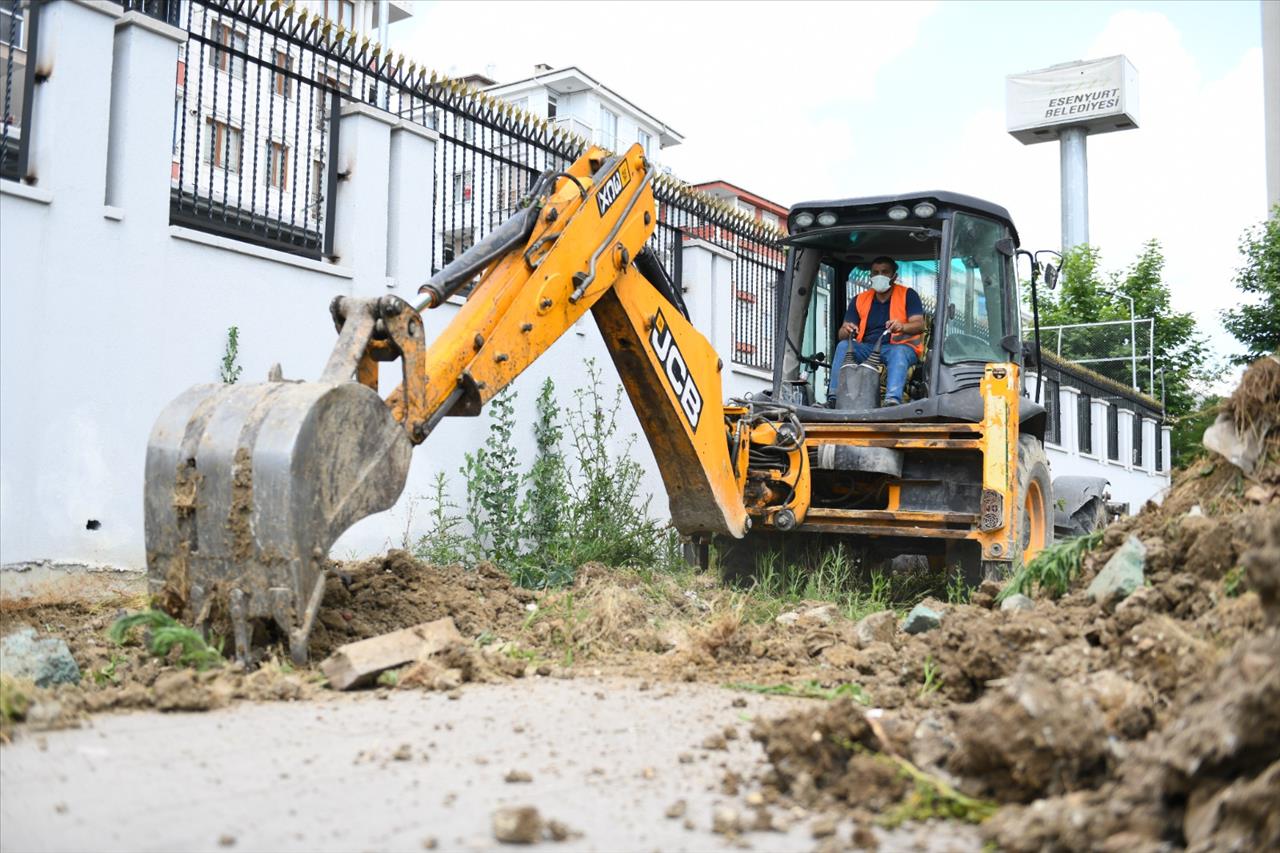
x: 932, y: 678
x: 1053, y: 570
x: 932, y: 798
x: 807, y: 690
x: 163, y: 634
x: 1233, y: 582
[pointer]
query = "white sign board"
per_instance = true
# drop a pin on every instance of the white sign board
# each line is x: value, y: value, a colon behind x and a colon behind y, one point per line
x: 1100, y: 95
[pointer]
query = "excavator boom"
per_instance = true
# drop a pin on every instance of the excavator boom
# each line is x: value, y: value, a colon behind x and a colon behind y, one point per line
x: 248, y: 486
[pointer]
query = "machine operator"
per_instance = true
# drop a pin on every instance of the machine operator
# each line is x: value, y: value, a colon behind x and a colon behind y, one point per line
x: 886, y: 306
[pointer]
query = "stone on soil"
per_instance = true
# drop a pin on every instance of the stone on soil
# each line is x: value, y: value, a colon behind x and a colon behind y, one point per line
x: 1017, y: 601
x: 517, y: 825
x: 1123, y: 572
x: 921, y: 619
x: 879, y: 627
x: 46, y: 662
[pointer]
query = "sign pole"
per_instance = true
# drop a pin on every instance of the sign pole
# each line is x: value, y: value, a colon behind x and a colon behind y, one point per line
x: 1072, y: 142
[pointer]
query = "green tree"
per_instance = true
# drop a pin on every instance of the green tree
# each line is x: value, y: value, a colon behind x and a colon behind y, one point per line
x: 1089, y: 295
x: 1182, y: 353
x: 1257, y: 325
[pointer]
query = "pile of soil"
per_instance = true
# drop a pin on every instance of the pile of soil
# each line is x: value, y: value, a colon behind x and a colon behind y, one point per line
x: 1140, y: 723
x: 1147, y: 723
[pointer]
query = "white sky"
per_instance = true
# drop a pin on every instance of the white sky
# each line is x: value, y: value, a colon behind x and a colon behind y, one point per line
x: 798, y: 101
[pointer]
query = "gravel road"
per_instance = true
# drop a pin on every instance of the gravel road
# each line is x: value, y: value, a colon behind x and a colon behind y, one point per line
x: 401, y: 770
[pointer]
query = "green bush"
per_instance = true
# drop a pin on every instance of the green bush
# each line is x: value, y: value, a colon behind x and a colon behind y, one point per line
x: 540, y: 524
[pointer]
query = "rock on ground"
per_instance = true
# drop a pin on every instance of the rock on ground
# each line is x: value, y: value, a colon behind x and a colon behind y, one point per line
x: 921, y: 619
x: 1123, y: 572
x: 45, y: 661
x: 517, y: 825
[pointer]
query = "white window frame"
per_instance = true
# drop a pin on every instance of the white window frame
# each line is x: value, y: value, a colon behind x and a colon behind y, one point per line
x: 608, y: 128
x: 20, y: 32
x: 645, y: 138
x: 225, y: 151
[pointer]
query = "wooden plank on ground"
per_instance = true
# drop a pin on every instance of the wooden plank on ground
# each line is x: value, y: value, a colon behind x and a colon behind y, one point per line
x: 359, y: 663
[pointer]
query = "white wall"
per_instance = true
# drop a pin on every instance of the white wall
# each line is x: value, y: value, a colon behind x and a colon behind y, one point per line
x: 108, y: 313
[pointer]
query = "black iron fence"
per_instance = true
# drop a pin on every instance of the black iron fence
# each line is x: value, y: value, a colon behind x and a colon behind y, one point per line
x: 259, y: 89
x: 19, y: 29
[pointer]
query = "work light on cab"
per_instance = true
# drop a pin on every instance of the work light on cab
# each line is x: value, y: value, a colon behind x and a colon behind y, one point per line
x: 826, y: 219
x: 898, y: 213
x: 804, y: 219
x: 923, y: 210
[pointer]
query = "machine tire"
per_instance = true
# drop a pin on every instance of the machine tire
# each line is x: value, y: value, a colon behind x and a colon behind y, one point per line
x: 1033, y: 498
x: 1090, y: 517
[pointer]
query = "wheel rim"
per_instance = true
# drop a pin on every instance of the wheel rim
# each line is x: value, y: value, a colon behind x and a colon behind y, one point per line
x: 1033, y: 514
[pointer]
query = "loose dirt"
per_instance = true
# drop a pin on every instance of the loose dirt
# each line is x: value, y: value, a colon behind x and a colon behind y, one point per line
x: 1146, y: 723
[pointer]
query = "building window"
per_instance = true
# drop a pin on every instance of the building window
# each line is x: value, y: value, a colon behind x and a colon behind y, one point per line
x: 771, y: 218
x: 277, y: 166
x: 608, y: 128
x: 551, y: 106
x: 1084, y: 423
x: 282, y: 83
x: 341, y: 12
x: 1113, y: 432
x: 222, y: 145
x: 747, y: 208
x: 177, y: 120
x: 1137, y: 440
x: 1051, y: 401
x: 462, y: 187
x: 226, y: 36
x: 12, y: 25
x: 645, y: 140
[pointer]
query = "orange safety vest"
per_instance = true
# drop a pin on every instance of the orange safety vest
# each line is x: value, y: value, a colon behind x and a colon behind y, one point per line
x: 897, y: 311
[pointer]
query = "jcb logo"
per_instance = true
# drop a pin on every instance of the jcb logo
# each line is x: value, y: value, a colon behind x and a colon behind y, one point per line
x: 612, y: 188
x: 677, y: 370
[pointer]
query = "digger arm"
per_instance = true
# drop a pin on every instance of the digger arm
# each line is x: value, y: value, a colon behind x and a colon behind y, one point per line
x: 576, y: 253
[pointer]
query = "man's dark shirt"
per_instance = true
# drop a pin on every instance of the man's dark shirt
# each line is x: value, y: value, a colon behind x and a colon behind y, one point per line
x: 878, y: 316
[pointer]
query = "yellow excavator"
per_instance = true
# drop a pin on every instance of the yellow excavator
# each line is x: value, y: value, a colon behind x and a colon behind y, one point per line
x: 249, y: 485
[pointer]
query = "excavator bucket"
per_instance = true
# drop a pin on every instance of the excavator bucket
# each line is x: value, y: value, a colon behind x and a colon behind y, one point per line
x: 247, y: 488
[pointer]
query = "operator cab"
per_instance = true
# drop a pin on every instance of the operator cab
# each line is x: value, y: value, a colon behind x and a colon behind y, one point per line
x: 954, y: 251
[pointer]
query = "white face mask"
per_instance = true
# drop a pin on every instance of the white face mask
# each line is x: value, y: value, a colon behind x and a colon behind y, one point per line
x: 880, y: 283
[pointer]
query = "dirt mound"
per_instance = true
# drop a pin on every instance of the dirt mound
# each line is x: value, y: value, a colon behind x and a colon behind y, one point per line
x: 1137, y: 724
x: 395, y: 591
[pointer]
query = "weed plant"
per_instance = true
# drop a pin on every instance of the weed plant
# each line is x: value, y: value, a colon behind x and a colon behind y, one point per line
x: 229, y: 370
x: 1053, y: 570
x: 163, y: 634
x: 540, y: 524
x: 807, y: 690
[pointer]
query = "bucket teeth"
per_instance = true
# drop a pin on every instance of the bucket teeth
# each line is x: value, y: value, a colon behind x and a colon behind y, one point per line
x: 248, y: 486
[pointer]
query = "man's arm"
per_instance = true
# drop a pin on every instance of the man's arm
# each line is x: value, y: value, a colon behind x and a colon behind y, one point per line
x: 913, y: 326
x: 915, y: 317
x: 850, y: 324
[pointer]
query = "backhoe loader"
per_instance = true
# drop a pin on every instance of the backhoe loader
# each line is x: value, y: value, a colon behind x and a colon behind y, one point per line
x: 248, y: 486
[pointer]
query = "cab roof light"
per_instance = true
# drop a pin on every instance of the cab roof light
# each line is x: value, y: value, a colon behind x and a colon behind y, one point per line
x: 898, y: 213
x: 804, y: 219
x: 826, y: 219
x: 924, y: 210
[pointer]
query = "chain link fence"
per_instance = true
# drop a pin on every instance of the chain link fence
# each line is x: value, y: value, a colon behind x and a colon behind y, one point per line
x: 1123, y: 351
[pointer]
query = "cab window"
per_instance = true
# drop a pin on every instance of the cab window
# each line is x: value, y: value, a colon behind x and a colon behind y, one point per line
x: 975, y: 322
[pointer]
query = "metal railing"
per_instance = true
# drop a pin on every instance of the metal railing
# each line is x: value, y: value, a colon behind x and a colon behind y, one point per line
x: 19, y: 34
x: 1121, y: 350
x: 259, y: 89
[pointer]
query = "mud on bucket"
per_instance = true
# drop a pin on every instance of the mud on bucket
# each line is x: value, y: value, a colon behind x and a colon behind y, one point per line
x: 248, y: 486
